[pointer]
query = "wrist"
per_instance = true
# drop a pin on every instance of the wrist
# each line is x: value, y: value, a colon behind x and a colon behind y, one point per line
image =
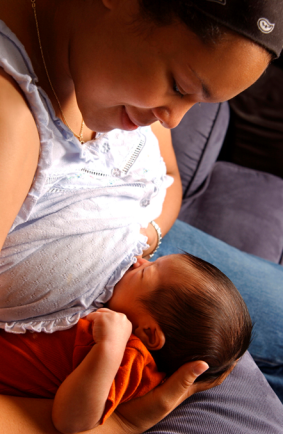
x: 159, y: 237
x: 111, y: 348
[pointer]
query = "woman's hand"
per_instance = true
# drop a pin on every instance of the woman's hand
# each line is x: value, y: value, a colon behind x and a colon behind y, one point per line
x: 141, y: 414
x: 137, y: 416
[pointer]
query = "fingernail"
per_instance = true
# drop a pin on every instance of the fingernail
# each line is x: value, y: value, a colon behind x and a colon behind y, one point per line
x: 201, y: 368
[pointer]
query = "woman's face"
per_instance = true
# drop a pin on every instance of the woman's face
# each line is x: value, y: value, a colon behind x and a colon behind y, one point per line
x: 128, y: 75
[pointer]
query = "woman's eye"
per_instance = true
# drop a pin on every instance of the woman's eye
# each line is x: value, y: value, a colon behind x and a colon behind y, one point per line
x: 177, y: 90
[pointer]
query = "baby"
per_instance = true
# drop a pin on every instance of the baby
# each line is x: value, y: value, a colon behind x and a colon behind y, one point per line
x: 179, y: 309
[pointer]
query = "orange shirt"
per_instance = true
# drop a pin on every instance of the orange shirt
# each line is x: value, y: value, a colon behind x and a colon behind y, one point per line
x: 35, y: 364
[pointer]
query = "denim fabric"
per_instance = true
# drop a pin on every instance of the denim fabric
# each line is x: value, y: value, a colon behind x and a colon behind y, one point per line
x: 260, y: 282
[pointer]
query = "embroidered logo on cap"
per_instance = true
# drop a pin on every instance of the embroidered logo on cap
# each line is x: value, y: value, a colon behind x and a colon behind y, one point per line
x: 265, y: 26
x: 222, y: 2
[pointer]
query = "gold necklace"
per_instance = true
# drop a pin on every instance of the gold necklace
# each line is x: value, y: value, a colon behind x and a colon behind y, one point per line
x: 80, y: 135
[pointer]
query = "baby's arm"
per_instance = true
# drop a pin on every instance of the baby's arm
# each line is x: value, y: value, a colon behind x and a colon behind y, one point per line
x: 80, y: 400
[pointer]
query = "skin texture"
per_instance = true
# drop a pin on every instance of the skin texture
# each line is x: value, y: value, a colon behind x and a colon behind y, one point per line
x: 115, y: 73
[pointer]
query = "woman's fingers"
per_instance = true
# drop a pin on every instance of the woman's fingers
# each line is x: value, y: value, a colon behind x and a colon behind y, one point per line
x: 181, y: 386
x: 142, y: 413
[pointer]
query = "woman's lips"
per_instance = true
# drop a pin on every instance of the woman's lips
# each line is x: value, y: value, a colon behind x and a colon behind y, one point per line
x: 127, y: 124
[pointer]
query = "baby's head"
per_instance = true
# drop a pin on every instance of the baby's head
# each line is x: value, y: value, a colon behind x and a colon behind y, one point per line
x: 185, y: 309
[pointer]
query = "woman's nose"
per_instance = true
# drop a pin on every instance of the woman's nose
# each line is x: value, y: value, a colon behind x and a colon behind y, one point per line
x: 171, y: 117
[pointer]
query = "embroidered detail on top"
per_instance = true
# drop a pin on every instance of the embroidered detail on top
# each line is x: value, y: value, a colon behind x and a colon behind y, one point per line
x: 145, y: 202
x: 134, y: 156
x: 54, y: 177
x: 116, y: 172
x: 66, y: 190
x: 105, y: 148
x: 94, y: 173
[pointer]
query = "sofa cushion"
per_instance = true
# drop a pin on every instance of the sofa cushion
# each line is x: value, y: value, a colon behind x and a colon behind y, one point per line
x: 255, y: 134
x: 197, y: 141
x: 242, y: 207
x: 244, y: 403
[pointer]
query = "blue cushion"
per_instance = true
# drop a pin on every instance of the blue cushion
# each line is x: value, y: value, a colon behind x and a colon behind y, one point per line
x: 197, y: 142
x: 242, y: 207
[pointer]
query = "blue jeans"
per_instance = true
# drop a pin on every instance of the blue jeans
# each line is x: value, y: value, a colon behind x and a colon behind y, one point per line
x: 261, y: 284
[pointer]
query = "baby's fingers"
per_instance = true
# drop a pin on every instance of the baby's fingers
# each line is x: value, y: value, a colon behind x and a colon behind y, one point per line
x: 108, y: 325
x: 92, y: 315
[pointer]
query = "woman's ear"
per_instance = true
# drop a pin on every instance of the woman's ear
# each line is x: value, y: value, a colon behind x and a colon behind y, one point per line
x: 151, y: 336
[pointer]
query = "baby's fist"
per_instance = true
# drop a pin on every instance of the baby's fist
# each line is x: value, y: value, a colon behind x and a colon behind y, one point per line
x: 110, y: 326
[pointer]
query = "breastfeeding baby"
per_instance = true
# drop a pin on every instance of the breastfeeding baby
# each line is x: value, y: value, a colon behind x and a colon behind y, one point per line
x: 115, y: 324
x: 161, y: 315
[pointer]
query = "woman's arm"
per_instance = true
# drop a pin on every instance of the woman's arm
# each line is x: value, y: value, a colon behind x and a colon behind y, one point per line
x: 80, y: 400
x: 33, y: 416
x: 19, y: 150
x: 173, y: 198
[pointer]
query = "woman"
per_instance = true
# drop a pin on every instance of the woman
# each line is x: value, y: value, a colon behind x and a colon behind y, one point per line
x: 86, y: 62
x: 114, y: 66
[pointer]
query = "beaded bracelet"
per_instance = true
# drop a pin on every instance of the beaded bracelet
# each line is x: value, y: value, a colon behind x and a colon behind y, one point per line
x: 159, y: 236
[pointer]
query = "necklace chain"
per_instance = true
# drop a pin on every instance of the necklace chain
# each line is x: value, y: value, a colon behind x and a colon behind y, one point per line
x: 80, y: 135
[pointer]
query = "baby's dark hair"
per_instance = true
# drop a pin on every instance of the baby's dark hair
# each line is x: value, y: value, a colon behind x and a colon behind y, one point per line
x: 202, y: 316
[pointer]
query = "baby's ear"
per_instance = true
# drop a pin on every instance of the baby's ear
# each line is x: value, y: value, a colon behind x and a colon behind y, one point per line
x: 152, y: 336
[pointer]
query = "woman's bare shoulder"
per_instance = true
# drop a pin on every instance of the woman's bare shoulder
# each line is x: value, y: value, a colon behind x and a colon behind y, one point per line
x: 19, y: 151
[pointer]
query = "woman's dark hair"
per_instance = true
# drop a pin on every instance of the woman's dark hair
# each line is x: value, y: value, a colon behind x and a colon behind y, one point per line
x: 164, y: 12
x: 209, y: 31
x: 202, y: 316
